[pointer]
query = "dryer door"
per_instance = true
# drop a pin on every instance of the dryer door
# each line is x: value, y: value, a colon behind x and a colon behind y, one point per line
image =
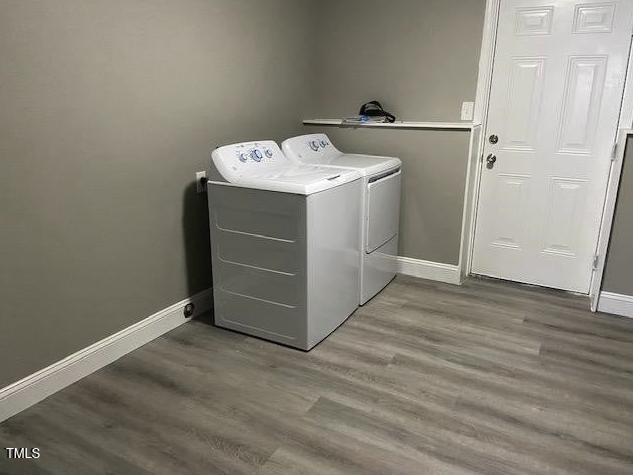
x: 383, y: 210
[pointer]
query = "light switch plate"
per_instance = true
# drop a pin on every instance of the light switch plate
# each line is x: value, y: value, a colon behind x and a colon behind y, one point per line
x: 468, y: 109
x: 200, y: 185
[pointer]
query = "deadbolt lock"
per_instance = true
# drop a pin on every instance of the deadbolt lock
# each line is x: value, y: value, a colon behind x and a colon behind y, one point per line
x: 493, y: 139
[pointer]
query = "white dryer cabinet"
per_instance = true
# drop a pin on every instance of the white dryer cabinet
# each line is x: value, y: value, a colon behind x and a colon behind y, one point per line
x: 285, y: 264
x: 380, y: 205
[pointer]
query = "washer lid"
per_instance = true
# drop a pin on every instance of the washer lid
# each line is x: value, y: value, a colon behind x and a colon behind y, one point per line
x: 262, y: 165
x: 300, y: 179
x: 317, y: 149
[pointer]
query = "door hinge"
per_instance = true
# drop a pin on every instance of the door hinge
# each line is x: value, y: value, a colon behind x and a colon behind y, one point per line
x: 614, y: 151
x: 596, y: 261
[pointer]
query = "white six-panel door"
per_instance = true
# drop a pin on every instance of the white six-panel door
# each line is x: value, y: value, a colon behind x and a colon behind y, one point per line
x: 557, y: 86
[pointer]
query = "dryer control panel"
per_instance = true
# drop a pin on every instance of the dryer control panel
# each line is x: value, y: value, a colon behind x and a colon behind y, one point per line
x: 317, y: 142
x: 313, y: 148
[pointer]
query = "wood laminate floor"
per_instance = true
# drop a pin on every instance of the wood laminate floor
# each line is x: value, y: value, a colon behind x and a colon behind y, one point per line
x: 430, y: 378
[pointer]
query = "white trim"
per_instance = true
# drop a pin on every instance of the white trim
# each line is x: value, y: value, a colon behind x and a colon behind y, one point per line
x: 626, y: 110
x: 484, y: 84
x: 607, y: 218
x: 394, y: 125
x: 486, y: 61
x: 429, y: 270
x: 473, y: 187
x: 616, y: 304
x: 470, y: 203
x: 38, y: 386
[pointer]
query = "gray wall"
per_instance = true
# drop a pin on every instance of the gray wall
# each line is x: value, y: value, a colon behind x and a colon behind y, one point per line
x: 107, y: 110
x: 618, y: 277
x: 420, y: 59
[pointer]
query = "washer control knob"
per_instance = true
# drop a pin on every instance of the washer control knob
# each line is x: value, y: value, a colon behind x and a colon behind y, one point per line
x: 243, y: 157
x: 257, y: 155
x: 314, y: 145
x: 269, y: 153
x: 323, y: 143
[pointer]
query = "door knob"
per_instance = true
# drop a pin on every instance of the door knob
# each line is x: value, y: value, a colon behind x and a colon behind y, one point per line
x: 490, y: 161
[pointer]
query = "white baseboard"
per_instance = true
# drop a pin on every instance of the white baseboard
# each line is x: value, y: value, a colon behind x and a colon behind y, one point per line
x: 617, y: 304
x: 429, y: 270
x: 38, y: 386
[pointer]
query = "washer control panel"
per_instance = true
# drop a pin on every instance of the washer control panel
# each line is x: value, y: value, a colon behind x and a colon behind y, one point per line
x: 252, y: 153
x: 242, y: 159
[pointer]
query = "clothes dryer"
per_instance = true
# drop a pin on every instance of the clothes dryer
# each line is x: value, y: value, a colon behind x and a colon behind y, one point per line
x: 380, y: 200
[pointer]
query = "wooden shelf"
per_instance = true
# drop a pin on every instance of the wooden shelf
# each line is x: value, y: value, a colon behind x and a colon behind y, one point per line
x: 395, y: 125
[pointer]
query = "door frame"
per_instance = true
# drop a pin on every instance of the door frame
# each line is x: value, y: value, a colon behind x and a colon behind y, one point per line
x: 482, y: 102
x: 608, y: 214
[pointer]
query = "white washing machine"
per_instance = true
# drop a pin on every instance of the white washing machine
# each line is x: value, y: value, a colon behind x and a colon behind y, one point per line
x: 380, y: 204
x: 284, y: 244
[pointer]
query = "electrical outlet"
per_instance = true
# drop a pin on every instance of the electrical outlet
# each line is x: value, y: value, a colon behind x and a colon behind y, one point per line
x: 468, y: 109
x: 201, y: 181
